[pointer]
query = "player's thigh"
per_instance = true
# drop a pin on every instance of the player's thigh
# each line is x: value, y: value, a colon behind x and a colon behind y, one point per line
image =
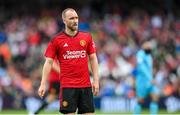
x: 68, y: 100
x: 86, y: 103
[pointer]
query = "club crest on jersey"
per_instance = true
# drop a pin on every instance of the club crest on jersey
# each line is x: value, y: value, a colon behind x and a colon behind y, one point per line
x: 65, y: 103
x: 82, y: 43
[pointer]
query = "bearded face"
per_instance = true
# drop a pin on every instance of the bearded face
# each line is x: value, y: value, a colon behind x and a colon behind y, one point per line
x: 72, y: 25
x: 71, y: 20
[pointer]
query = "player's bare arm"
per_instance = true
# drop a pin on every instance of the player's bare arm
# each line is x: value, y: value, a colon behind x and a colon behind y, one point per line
x: 94, y: 67
x: 56, y: 67
x: 45, y: 72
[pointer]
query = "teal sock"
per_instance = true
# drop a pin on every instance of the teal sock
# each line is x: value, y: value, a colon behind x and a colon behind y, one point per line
x: 137, y: 109
x: 154, y: 108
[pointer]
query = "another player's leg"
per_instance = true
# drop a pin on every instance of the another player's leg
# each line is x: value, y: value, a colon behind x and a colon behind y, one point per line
x: 141, y: 93
x: 154, y: 101
x: 138, y: 106
x: 154, y: 105
x: 50, y: 98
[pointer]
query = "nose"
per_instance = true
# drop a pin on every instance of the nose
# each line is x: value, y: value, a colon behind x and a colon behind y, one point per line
x: 76, y: 20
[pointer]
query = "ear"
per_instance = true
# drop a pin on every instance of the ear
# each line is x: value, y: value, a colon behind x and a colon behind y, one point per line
x: 64, y: 21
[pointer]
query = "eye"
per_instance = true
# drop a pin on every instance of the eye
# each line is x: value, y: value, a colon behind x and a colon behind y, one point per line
x: 72, y: 18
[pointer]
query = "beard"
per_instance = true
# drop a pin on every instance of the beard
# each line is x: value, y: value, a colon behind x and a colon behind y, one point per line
x: 73, y: 27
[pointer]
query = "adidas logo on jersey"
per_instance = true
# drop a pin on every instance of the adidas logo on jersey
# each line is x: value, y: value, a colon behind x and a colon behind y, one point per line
x: 65, y: 45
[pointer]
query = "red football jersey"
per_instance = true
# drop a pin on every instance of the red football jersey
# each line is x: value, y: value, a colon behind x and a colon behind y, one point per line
x: 72, y: 53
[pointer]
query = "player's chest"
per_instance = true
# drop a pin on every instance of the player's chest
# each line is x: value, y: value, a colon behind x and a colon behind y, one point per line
x: 73, y: 44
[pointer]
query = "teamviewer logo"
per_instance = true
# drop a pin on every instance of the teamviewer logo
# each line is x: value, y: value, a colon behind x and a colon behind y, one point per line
x: 74, y: 54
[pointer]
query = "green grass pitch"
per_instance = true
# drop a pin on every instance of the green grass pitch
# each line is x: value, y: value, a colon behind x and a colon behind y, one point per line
x: 24, y: 112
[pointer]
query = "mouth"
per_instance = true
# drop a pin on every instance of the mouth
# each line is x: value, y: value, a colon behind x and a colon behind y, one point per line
x: 75, y: 24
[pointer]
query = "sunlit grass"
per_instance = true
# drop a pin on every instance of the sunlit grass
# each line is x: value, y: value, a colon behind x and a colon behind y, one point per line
x: 24, y: 112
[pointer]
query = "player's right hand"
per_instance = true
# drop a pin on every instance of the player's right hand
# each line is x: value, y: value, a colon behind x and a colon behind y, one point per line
x: 42, y: 90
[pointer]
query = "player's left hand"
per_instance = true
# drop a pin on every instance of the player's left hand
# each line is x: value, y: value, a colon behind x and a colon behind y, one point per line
x: 95, y: 88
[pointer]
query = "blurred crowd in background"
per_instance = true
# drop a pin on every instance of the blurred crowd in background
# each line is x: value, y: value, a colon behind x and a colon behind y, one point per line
x: 117, y: 29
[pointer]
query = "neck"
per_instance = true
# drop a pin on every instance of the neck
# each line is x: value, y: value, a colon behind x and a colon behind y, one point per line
x: 70, y: 32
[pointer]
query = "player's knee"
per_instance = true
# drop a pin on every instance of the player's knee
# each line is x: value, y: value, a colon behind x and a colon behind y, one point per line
x: 154, y: 97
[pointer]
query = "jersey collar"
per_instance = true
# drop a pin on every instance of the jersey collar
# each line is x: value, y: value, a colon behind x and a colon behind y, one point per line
x: 69, y: 35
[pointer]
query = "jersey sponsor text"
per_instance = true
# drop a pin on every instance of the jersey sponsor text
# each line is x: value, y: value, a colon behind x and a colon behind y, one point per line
x: 74, y: 54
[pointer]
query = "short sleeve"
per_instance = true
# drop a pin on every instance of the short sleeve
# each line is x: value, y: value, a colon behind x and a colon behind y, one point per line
x: 51, y: 50
x: 91, y: 45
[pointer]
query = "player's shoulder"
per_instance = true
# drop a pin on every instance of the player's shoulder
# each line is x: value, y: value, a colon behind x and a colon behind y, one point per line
x: 58, y: 35
x: 84, y: 32
x: 85, y: 35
